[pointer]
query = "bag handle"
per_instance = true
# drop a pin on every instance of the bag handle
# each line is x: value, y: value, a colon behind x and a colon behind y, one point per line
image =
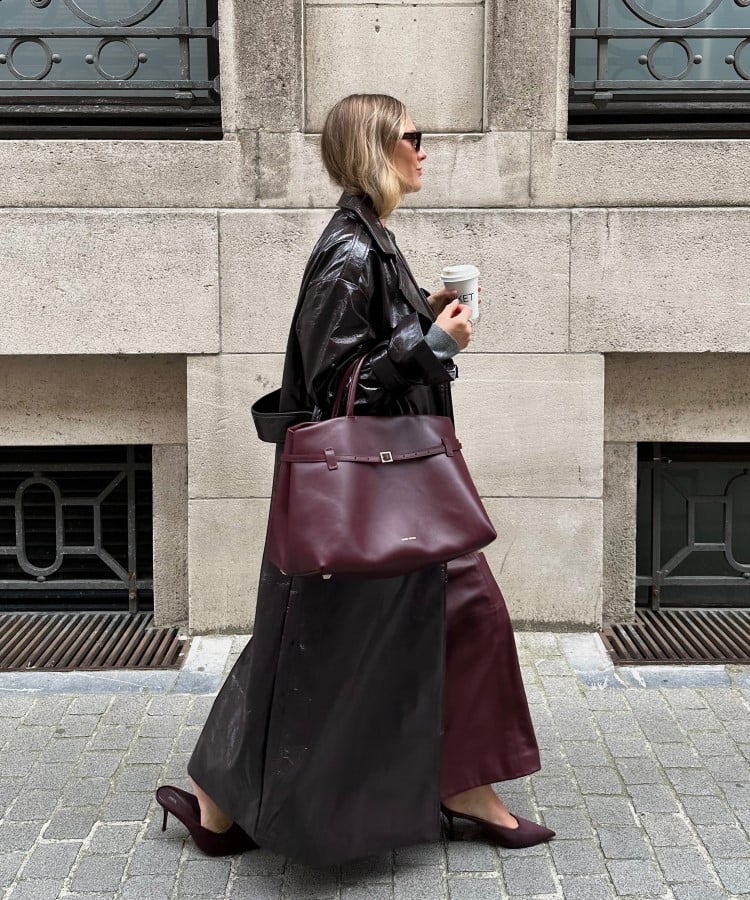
x: 350, y: 381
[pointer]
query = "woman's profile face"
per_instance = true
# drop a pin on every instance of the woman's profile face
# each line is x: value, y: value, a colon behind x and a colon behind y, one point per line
x: 408, y: 161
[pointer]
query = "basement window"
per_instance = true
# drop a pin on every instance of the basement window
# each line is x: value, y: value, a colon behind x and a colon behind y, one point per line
x: 76, y: 528
x: 693, y: 525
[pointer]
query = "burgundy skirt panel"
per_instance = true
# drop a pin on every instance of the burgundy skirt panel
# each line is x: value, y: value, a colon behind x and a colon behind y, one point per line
x: 488, y: 733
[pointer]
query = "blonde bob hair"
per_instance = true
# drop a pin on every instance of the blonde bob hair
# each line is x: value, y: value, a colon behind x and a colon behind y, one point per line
x: 358, y: 145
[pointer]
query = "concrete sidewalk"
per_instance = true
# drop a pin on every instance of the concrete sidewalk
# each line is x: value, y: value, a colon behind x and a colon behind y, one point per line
x: 646, y: 779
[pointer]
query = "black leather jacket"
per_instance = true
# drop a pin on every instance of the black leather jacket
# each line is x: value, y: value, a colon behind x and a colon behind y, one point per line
x: 358, y: 294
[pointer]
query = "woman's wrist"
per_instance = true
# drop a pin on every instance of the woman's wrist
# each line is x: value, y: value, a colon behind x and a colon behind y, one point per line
x: 441, y: 343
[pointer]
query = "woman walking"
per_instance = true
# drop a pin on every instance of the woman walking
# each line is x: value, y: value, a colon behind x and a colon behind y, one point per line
x: 362, y: 707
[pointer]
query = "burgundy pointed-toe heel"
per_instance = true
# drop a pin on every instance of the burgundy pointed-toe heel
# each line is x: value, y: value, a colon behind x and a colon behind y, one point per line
x: 184, y: 806
x: 526, y: 835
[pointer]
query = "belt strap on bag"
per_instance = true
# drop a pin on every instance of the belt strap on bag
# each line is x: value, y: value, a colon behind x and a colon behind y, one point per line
x: 331, y: 458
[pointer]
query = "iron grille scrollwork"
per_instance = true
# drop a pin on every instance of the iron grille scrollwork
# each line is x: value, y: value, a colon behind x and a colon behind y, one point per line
x: 693, y: 529
x: 99, y: 68
x: 659, y: 68
x: 76, y: 527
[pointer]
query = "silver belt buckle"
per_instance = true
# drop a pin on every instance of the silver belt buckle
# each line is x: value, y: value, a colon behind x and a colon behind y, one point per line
x: 386, y: 456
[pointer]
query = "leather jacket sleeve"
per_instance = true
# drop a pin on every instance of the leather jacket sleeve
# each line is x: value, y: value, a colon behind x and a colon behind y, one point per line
x: 349, y: 308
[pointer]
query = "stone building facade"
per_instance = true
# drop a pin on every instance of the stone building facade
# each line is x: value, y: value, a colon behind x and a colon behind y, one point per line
x: 148, y: 286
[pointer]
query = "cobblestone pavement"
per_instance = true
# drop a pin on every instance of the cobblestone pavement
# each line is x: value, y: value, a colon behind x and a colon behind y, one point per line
x: 646, y: 778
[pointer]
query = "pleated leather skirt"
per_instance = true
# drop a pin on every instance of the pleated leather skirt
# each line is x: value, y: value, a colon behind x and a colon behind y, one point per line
x: 487, y: 731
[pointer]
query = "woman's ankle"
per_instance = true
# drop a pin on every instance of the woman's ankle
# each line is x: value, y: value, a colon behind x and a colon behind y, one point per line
x: 481, y: 803
x: 471, y: 801
x: 212, y: 817
x: 217, y: 826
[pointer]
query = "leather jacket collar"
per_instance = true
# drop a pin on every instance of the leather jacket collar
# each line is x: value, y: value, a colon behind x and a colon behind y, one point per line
x: 362, y: 208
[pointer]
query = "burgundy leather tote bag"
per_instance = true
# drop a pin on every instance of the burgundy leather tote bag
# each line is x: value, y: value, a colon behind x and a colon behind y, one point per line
x: 375, y: 496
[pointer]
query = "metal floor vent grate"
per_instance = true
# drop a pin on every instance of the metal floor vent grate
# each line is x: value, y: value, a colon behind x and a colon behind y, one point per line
x: 57, y: 642
x: 681, y: 636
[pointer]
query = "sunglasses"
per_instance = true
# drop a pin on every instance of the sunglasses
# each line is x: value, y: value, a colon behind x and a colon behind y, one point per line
x: 414, y: 138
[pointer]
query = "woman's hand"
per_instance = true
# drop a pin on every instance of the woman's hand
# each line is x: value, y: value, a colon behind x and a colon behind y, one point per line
x: 440, y: 299
x: 455, y: 320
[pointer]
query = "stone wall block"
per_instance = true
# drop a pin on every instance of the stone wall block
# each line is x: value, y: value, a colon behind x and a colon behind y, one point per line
x: 129, y: 173
x: 461, y: 170
x: 474, y: 170
x: 92, y: 400
x: 677, y: 397
x: 225, y: 546
x: 263, y: 256
x: 547, y: 560
x: 620, y: 495
x: 532, y: 425
x: 109, y: 281
x: 292, y: 173
x: 170, y: 521
x: 524, y: 262
x: 523, y: 62
x: 261, y: 65
x: 564, y: 20
x: 669, y: 280
x: 410, y: 3
x: 226, y: 457
x: 523, y: 257
x: 432, y: 57
x: 638, y: 173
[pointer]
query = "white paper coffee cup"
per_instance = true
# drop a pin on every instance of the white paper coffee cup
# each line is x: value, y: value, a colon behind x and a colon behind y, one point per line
x: 465, y: 280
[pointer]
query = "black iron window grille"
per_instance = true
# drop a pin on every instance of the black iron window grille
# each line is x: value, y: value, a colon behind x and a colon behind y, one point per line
x: 76, y: 528
x: 109, y: 68
x: 659, y: 68
x: 693, y: 525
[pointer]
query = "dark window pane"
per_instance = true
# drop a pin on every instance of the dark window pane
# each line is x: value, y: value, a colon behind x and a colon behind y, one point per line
x: 152, y: 63
x: 75, y: 506
x: 692, y: 496
x: 659, y: 68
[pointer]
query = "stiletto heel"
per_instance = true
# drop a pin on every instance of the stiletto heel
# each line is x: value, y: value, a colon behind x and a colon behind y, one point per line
x: 526, y: 835
x: 185, y: 807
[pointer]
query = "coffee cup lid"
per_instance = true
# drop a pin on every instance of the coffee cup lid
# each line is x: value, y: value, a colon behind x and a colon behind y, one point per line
x: 459, y: 273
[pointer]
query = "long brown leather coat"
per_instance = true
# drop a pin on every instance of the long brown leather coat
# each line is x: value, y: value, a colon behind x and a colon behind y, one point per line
x: 324, y: 743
